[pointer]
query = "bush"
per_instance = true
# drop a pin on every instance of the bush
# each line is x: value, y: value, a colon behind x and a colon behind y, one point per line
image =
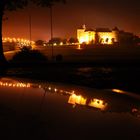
x: 59, y: 58
x: 26, y: 55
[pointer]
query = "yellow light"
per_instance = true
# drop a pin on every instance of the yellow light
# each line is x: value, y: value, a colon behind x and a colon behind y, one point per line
x: 49, y: 88
x: 98, y: 104
x: 61, y: 91
x: 10, y: 40
x: 118, y: 91
x: 54, y: 44
x: 79, y: 47
x: 55, y: 90
x: 14, y: 39
x: 82, y: 39
x: 28, y: 85
x: 61, y: 43
x: 77, y: 99
x: 18, y: 39
x: 14, y: 85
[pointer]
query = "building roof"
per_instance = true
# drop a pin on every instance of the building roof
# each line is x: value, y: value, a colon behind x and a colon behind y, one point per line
x: 103, y: 30
x: 89, y: 29
x: 115, y: 29
x: 82, y: 27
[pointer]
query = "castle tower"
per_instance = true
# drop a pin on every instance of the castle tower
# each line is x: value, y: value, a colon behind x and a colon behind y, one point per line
x: 115, y: 32
x: 81, y: 33
x: 84, y: 26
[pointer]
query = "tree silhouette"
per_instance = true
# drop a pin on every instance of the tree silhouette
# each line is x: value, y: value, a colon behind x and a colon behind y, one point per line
x: 73, y: 40
x: 14, y: 5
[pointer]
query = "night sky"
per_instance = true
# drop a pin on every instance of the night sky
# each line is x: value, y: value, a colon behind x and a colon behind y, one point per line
x: 125, y: 14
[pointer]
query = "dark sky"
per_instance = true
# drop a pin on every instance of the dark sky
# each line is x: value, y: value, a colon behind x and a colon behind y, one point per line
x: 125, y: 14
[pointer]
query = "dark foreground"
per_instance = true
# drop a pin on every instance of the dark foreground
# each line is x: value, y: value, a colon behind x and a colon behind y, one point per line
x: 30, y: 109
x: 119, y: 75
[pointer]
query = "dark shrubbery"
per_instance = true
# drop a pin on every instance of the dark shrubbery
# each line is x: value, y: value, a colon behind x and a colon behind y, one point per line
x: 59, y: 58
x: 28, y: 56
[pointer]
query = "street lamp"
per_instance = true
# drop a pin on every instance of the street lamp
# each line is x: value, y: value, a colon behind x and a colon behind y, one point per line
x: 30, y: 28
x: 51, y: 24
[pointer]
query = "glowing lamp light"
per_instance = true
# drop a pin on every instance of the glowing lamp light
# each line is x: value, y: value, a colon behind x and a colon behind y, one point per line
x: 55, y: 90
x: 61, y: 43
x: 20, y: 41
x: 49, y: 88
x: 18, y: 85
x: 79, y: 47
x: 54, y: 44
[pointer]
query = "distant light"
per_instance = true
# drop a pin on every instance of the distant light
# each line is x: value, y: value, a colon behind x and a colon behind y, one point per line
x: 61, y: 91
x: 55, y: 90
x: 49, y: 88
x: 61, y: 43
x: 79, y: 47
x: 118, y: 91
x: 22, y: 42
x: 44, y: 45
x: 54, y: 44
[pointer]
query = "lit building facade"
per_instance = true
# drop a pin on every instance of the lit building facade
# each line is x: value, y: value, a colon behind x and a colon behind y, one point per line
x: 98, y: 36
x: 84, y: 35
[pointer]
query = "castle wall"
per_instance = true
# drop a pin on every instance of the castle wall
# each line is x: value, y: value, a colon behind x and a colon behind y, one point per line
x: 106, y: 37
x: 81, y: 35
x: 85, y: 36
x: 103, y: 37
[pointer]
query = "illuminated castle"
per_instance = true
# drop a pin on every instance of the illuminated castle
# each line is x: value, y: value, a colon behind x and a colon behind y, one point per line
x: 98, y: 36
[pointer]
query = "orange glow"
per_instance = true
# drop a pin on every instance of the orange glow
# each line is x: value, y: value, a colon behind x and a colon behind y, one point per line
x: 80, y: 100
x: 49, y: 88
x: 118, y: 91
x: 18, y: 85
x: 79, y: 47
x: 77, y: 99
x: 73, y: 98
x: 21, y: 41
x: 85, y: 36
x: 55, y: 89
x: 108, y: 38
x: 98, y: 104
x: 88, y: 36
